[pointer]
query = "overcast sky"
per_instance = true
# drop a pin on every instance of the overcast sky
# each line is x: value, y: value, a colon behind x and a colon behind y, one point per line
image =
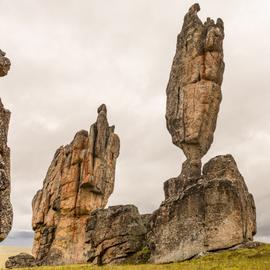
x: 69, y: 56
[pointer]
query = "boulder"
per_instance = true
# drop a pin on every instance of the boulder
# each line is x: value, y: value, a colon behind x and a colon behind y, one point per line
x: 79, y: 180
x: 217, y: 212
x: 116, y: 235
x: 21, y: 260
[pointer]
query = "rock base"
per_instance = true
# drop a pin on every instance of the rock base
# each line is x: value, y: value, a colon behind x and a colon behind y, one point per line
x: 215, y: 213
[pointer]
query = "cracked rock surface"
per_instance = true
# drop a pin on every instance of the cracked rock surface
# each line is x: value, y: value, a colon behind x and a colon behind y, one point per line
x: 194, y: 88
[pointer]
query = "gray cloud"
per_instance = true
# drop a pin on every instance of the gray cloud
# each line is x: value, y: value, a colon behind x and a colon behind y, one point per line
x: 69, y: 56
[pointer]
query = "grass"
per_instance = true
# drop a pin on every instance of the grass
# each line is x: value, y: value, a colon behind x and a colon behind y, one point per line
x: 243, y: 259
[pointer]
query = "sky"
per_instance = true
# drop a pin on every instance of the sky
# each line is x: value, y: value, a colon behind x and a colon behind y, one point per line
x: 69, y: 56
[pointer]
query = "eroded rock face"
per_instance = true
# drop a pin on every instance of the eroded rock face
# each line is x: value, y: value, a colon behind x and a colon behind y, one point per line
x: 216, y: 213
x: 79, y: 180
x: 115, y: 234
x: 194, y: 88
x: 6, y: 214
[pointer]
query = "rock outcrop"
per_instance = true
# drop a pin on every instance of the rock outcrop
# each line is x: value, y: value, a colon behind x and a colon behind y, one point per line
x: 209, y: 210
x: 6, y: 214
x: 194, y: 88
x: 79, y: 180
x: 115, y: 234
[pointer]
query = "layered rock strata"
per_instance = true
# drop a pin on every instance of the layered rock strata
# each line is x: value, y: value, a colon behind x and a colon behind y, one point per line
x: 6, y: 214
x: 116, y: 234
x: 194, y: 88
x: 79, y: 180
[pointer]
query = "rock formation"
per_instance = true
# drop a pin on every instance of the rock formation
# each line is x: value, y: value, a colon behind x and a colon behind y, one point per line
x: 6, y: 214
x: 204, y: 211
x: 194, y: 88
x: 79, y: 180
x: 115, y: 234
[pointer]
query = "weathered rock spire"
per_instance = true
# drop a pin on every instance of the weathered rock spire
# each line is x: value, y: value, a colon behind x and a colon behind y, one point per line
x: 204, y: 211
x: 6, y: 214
x: 80, y: 179
x: 194, y: 88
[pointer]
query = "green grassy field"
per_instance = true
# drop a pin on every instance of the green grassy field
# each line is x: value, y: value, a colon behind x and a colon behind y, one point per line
x: 244, y: 259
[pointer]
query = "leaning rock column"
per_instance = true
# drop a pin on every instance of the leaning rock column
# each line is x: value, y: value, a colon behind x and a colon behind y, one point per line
x: 79, y: 180
x: 6, y: 214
